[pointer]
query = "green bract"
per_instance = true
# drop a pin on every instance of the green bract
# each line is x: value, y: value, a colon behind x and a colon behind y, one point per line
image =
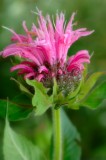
x: 40, y: 99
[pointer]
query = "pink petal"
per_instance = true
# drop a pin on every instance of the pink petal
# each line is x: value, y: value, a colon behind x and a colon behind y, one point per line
x: 29, y: 75
x: 32, y: 64
x: 39, y: 77
x: 74, y: 67
x: 69, y: 25
x: 14, y: 33
x: 26, y: 30
x: 43, y: 69
x: 22, y: 37
x: 78, y: 60
x: 82, y: 56
x: 21, y: 66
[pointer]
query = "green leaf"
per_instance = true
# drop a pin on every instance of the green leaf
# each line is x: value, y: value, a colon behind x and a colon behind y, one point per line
x: 22, y: 99
x: 15, y: 111
x: 73, y: 104
x: 71, y: 148
x: 55, y: 89
x: 40, y: 99
x: 17, y: 147
x: 99, y: 153
x: 74, y: 93
x: 96, y: 97
x: 89, y: 84
x: 22, y: 87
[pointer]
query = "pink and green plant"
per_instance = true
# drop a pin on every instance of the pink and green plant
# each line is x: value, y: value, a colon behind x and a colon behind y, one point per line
x: 50, y: 78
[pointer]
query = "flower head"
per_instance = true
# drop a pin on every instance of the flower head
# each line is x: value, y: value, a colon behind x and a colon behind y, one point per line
x: 44, y: 49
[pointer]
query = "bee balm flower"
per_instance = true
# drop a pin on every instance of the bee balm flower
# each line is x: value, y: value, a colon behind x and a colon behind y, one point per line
x: 44, y: 52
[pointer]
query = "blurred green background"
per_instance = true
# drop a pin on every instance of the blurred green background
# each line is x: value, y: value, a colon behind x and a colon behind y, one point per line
x: 90, y: 14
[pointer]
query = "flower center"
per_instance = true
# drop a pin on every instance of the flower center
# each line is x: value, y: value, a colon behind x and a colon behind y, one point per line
x: 67, y: 81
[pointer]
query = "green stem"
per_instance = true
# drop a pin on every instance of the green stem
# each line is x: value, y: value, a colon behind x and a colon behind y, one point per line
x: 57, y: 135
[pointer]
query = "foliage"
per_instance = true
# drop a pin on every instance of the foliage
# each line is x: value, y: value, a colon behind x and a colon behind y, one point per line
x: 71, y: 139
x: 40, y: 99
x: 92, y: 124
x: 18, y: 147
x: 19, y: 108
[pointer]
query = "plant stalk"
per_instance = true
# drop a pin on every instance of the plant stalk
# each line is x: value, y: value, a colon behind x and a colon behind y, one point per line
x: 57, y: 137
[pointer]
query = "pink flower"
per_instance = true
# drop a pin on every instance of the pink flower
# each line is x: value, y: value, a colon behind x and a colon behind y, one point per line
x: 44, y: 49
